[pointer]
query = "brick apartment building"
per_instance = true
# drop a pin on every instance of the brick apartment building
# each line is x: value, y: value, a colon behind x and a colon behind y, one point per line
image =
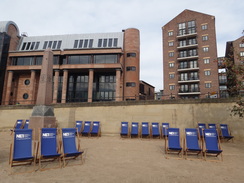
x: 190, y: 56
x: 86, y: 67
x: 235, y: 52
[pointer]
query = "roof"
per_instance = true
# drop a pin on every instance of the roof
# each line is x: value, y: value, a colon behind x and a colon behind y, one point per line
x: 5, y: 24
x: 72, y: 41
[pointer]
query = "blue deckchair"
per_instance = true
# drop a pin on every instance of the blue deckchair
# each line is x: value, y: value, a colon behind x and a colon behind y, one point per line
x: 165, y: 126
x: 212, y: 126
x: 96, y: 130
x: 145, y: 129
x: 155, y: 130
x: 192, y: 144
x: 124, y: 130
x: 19, y: 124
x: 49, y: 148
x: 172, y: 141
x: 78, y: 125
x: 211, y: 143
x: 87, y: 128
x: 69, y: 148
x: 225, y: 132
x: 26, y: 125
x: 201, y: 127
x: 134, y: 129
x: 21, y: 150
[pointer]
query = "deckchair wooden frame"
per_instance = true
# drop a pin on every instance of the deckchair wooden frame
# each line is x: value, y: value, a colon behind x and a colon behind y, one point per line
x: 42, y: 158
x: 190, y: 152
x: 221, y: 135
x: 212, y: 154
x: 170, y: 151
x: 13, y: 163
x: 64, y: 156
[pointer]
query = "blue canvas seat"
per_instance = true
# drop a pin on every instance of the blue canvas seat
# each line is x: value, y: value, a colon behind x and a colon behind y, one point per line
x: 26, y: 125
x: 70, y: 145
x: 49, y: 148
x: 124, y: 129
x: 87, y: 128
x: 22, y: 150
x: 78, y: 125
x: 173, y: 141
x: 145, y: 132
x: 201, y: 127
x: 165, y: 126
x: 19, y: 124
x: 134, y: 129
x: 212, y: 126
x: 225, y: 132
x: 211, y: 143
x: 96, y: 130
x: 192, y: 144
x: 155, y: 130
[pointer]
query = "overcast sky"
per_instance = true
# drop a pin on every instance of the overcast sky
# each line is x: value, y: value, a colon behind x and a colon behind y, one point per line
x: 52, y: 17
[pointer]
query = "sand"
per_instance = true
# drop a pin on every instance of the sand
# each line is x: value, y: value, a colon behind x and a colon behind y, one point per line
x: 112, y: 159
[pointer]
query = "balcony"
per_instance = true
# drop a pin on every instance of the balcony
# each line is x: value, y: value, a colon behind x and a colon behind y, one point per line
x: 187, y: 46
x: 190, y: 91
x: 187, y: 67
x: 223, y: 81
x: 193, y: 79
x: 190, y: 32
x: 187, y: 56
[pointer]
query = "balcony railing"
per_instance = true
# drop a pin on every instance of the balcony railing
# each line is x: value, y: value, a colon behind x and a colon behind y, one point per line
x: 190, y: 90
x: 223, y: 81
x: 187, y: 32
x: 188, y: 67
x: 188, y: 79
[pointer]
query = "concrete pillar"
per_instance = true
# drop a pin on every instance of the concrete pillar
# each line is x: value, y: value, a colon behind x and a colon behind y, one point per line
x: 64, y: 88
x: 90, y: 84
x: 118, y: 96
x: 32, y: 86
x: 55, y: 87
x: 9, y: 87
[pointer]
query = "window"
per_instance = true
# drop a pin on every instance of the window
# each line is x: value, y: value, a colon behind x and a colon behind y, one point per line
x: 171, y: 43
x: 25, y: 96
x: 110, y: 42
x: 54, y: 44
x: 171, y: 76
x: 171, y: 64
x: 37, y: 45
x: 207, y: 73
x: 183, y: 54
x: 115, y: 42
x: 205, y: 49
x: 130, y: 84
x: 132, y: 68
x: 171, y: 87
x: 171, y: 54
x: 32, y: 45
x: 59, y: 44
x: 191, y: 27
x: 131, y: 54
x: 50, y: 44
x: 85, y: 43
x: 170, y: 33
x: 183, y: 43
x: 205, y: 27
x: 75, y: 43
x: 241, y: 45
x: 79, y: 59
x: 27, y: 82
x: 23, y: 46
x: 105, y: 59
x: 99, y: 43
x: 28, y: 46
x: 242, y: 53
x: 205, y: 38
x: 206, y: 60
x: 207, y: 85
x: 105, y: 42
x: 182, y: 29
x: 90, y: 43
x: 45, y: 45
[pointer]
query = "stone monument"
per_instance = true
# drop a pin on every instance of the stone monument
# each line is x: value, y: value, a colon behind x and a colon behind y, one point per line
x: 43, y: 113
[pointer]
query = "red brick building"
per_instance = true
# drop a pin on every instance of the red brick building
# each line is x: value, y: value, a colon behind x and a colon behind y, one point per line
x: 190, y: 56
x: 86, y: 67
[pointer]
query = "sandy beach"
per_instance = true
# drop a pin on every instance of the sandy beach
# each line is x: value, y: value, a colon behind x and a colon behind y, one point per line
x: 112, y: 159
